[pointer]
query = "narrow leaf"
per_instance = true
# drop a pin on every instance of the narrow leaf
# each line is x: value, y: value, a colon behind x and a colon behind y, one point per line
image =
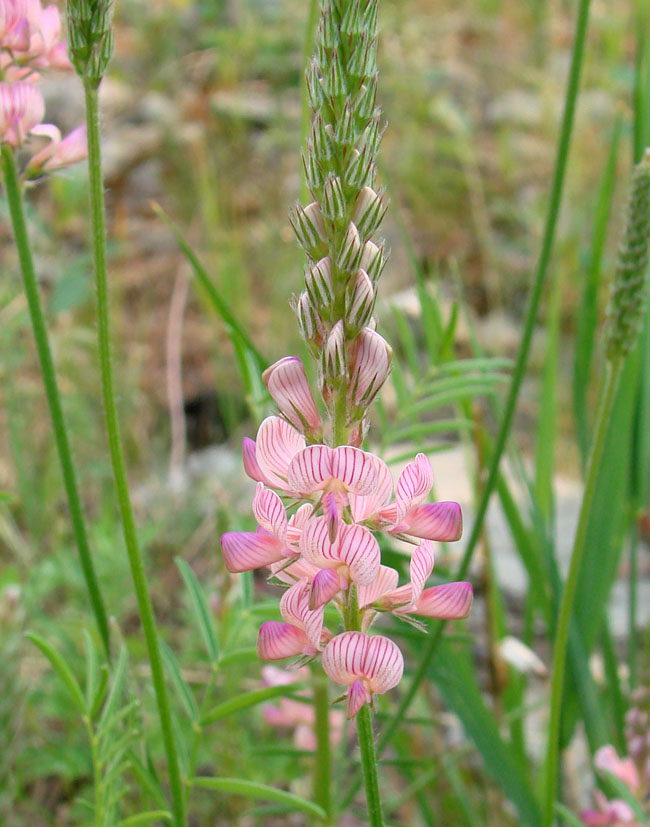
x: 183, y: 691
x: 251, y: 789
x: 61, y: 668
x: 247, y: 700
x: 199, y: 609
x: 146, y: 818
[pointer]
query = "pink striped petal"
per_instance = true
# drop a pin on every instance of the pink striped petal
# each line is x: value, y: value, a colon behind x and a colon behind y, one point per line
x: 356, y: 469
x: 358, y: 695
x: 300, y: 570
x: 277, y: 444
x: 330, y: 505
x: 245, y: 550
x: 323, y: 588
x: 421, y: 568
x: 371, y: 359
x: 310, y: 469
x: 276, y: 640
x: 451, y: 601
x: 269, y: 511
x: 249, y: 457
x: 385, y: 581
x: 294, y: 608
x: 359, y: 550
x: 288, y: 385
x: 298, y: 521
x: 343, y: 657
x: 414, y: 483
x: 441, y: 521
x: 316, y: 546
x: 364, y: 507
x: 383, y: 664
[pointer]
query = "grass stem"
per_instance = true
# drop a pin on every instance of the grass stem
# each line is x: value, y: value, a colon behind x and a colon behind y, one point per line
x: 145, y: 607
x: 48, y: 371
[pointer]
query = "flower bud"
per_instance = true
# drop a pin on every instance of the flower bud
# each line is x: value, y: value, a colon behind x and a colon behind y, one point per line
x: 373, y: 260
x: 349, y: 253
x: 309, y: 227
x: 327, y: 30
x: 310, y: 323
x: 90, y: 37
x: 351, y: 22
x: 322, y: 140
x: 333, y: 198
x: 627, y: 301
x: 360, y: 300
x: 334, y: 82
x: 369, y: 20
x: 287, y: 383
x: 369, y: 210
x: 334, y: 363
x: 313, y: 171
x: 364, y: 105
x: 318, y: 282
x: 370, y: 359
x: 358, y: 58
x: 314, y: 88
x: 346, y: 132
x: 360, y: 169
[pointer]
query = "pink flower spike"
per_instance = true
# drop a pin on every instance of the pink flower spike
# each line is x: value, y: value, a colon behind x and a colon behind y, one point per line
x: 276, y: 640
x: 269, y: 512
x: 288, y: 385
x: 323, y: 588
x: 21, y: 109
x: 355, y: 551
x: 371, y: 360
x: 277, y: 444
x: 245, y: 550
x: 450, y: 601
x: 442, y: 521
x: 375, y: 661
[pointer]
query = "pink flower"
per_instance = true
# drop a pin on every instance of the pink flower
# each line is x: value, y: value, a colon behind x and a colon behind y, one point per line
x: 367, y: 665
x: 21, y: 109
x: 288, y: 385
x: 30, y: 36
x: 267, y: 460
x: 371, y: 357
x: 302, y: 632
x: 607, y: 759
x: 614, y: 813
x: 58, y: 152
x: 449, y: 601
x: 441, y: 521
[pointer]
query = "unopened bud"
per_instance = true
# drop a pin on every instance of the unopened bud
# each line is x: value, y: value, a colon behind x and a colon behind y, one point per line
x: 322, y: 140
x: 373, y: 260
x: 334, y: 81
x: 364, y: 105
x: 370, y: 360
x: 288, y: 385
x: 359, y: 169
x: 351, y: 22
x: 313, y: 171
x: 310, y: 323
x: 334, y: 354
x: 627, y: 301
x: 369, y: 210
x: 90, y: 37
x: 327, y: 30
x: 314, y: 88
x: 369, y: 20
x: 319, y: 284
x: 358, y: 59
x: 309, y: 227
x: 360, y: 300
x: 349, y: 253
x: 333, y: 198
x: 345, y: 133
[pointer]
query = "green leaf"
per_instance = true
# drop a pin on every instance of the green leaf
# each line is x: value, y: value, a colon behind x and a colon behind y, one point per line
x: 117, y: 683
x: 61, y: 668
x: 454, y: 677
x: 147, y: 780
x: 567, y: 815
x: 183, y: 691
x: 199, y: 609
x: 92, y: 668
x: 251, y: 789
x: 621, y: 789
x: 247, y: 700
x: 248, y: 655
x: 146, y: 818
x: 100, y: 692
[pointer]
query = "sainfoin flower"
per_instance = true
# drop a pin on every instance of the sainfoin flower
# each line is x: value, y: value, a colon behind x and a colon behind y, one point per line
x: 321, y: 499
x: 615, y: 812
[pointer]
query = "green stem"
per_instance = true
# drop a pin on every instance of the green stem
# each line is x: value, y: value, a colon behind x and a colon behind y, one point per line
x: 323, y: 758
x: 48, y: 372
x: 369, y: 766
x: 537, y: 289
x: 117, y: 458
x: 569, y: 591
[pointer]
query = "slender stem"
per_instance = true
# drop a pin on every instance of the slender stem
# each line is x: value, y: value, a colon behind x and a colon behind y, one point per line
x: 323, y: 757
x: 48, y: 372
x: 632, y: 586
x: 117, y: 458
x: 570, y: 587
x: 537, y: 289
x: 369, y: 766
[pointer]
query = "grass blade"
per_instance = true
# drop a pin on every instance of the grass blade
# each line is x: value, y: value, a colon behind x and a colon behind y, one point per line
x: 251, y: 789
x: 199, y: 609
x: 247, y: 700
x: 61, y: 668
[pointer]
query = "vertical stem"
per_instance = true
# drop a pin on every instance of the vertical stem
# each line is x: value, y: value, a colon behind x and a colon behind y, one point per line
x: 569, y: 591
x: 48, y: 372
x: 117, y: 458
x: 632, y: 586
x: 369, y: 766
x: 323, y: 758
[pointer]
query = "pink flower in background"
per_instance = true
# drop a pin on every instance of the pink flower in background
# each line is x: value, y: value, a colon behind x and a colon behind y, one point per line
x: 59, y: 152
x: 30, y: 36
x: 21, y: 109
x: 367, y: 665
x: 615, y: 812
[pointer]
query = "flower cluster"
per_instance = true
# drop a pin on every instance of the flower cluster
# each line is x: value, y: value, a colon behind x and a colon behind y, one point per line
x: 30, y: 41
x: 633, y: 770
x: 321, y: 499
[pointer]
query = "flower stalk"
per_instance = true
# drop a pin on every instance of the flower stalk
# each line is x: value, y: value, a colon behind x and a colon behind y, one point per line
x: 91, y: 48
